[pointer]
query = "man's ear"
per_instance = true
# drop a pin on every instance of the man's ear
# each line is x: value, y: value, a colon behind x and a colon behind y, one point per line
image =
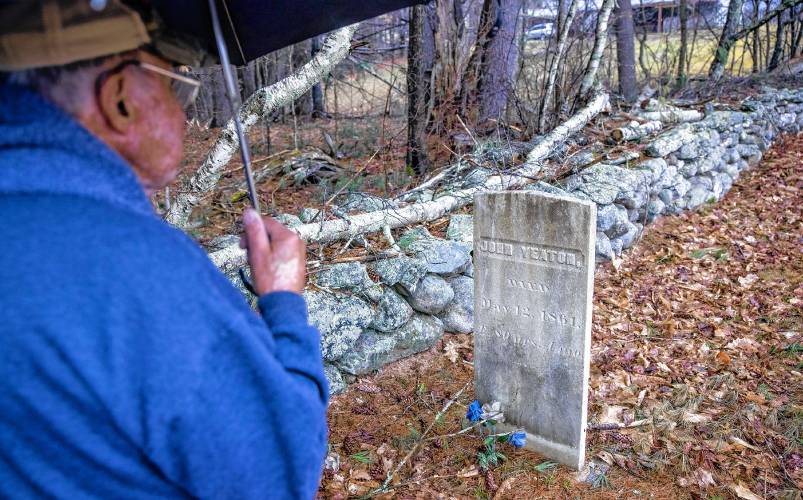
x: 115, y: 102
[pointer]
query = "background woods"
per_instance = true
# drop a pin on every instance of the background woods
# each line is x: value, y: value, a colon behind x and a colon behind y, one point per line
x: 525, y: 63
x: 404, y: 104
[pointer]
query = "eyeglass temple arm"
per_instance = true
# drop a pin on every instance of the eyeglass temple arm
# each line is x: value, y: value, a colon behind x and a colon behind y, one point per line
x: 169, y: 74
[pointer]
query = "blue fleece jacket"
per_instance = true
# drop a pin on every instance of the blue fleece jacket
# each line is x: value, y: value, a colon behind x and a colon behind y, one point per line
x: 129, y: 366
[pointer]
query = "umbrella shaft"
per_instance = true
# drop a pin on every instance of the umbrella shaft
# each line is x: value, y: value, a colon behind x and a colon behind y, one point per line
x: 233, y: 94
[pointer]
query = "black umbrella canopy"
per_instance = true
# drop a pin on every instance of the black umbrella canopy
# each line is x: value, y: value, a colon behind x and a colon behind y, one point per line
x: 253, y: 28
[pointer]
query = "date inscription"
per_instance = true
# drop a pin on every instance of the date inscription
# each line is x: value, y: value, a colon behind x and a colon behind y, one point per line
x: 499, y: 309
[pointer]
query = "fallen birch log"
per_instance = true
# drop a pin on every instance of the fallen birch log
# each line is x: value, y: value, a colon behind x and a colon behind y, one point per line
x: 263, y: 102
x: 655, y: 110
x: 232, y: 257
x: 635, y: 132
x: 673, y: 115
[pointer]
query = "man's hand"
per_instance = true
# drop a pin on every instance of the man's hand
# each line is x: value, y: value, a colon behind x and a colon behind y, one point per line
x: 277, y: 256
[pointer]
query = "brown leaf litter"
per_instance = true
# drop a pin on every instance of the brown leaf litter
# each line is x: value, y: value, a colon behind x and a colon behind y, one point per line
x: 696, y: 384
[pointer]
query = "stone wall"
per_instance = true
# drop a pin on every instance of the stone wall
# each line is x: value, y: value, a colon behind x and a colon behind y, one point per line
x: 373, y: 314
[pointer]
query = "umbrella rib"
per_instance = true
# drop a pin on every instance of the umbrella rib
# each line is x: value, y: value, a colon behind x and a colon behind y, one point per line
x: 234, y: 31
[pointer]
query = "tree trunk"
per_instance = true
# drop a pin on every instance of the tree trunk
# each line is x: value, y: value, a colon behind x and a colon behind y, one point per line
x: 247, y: 75
x: 557, y: 61
x: 600, y: 40
x: 777, y: 51
x: 420, y: 60
x: 684, y: 44
x: 492, y: 69
x: 732, y: 20
x: 318, y: 103
x: 625, y: 51
x: 793, y: 50
x: 755, y: 49
x: 299, y: 56
x: 452, y: 81
x: 220, y: 112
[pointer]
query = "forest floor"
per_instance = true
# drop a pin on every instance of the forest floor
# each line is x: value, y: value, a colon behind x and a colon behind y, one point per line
x: 696, y: 388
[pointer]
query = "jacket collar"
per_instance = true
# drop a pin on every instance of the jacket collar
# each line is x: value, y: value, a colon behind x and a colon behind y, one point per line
x: 43, y: 150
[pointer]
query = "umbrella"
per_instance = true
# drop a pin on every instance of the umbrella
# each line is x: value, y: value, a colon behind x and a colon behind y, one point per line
x: 252, y: 28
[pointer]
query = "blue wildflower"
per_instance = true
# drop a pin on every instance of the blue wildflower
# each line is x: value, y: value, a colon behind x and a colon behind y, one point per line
x: 474, y: 411
x: 517, y: 439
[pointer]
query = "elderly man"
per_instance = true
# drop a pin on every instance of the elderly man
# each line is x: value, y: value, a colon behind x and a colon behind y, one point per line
x: 129, y: 366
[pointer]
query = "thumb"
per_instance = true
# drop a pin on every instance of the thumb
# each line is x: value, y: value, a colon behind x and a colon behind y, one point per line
x: 257, y: 240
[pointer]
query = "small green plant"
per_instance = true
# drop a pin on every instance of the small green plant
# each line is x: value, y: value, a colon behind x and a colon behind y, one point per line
x: 364, y: 457
x: 601, y: 481
x: 765, y: 391
x: 491, y: 456
x: 481, y: 494
x: 793, y: 348
x: 485, y: 420
x: 545, y: 467
x: 718, y: 253
x: 669, y: 257
x: 409, y: 440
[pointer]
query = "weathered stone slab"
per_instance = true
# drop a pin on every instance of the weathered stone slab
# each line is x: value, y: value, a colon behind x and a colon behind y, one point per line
x: 534, y: 271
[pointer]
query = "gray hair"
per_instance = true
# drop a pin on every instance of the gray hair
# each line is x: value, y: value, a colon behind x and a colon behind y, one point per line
x: 68, y: 86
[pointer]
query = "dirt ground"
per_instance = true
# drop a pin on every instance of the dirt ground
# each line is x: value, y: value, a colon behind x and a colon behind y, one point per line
x: 696, y: 383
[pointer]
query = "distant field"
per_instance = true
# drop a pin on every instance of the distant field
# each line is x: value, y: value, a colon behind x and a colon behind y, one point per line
x: 662, y: 49
x: 660, y: 54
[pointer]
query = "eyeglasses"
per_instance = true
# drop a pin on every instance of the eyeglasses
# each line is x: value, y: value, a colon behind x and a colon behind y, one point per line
x: 184, y: 87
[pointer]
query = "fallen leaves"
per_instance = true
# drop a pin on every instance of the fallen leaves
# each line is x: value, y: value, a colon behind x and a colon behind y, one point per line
x: 691, y: 332
x: 700, y: 478
x: 696, y: 373
x: 747, y: 281
x: 743, y: 491
x: 451, y: 351
x: 722, y: 359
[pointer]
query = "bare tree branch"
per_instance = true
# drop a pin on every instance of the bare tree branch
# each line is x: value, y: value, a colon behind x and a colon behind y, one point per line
x: 232, y: 257
x: 258, y: 106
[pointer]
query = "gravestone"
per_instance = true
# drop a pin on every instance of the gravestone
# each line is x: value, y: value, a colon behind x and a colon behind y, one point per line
x: 533, y: 282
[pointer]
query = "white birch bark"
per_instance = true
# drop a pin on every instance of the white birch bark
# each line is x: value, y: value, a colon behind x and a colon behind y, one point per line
x: 264, y: 101
x: 673, y: 115
x: 232, y: 257
x: 635, y: 132
x: 557, y: 61
x: 600, y: 40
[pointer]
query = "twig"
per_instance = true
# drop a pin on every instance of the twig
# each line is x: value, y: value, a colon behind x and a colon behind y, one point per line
x: 432, y: 181
x: 476, y: 144
x: 391, y: 240
x: 470, y: 427
x: 415, y: 448
x: 614, y: 426
x: 356, y: 258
